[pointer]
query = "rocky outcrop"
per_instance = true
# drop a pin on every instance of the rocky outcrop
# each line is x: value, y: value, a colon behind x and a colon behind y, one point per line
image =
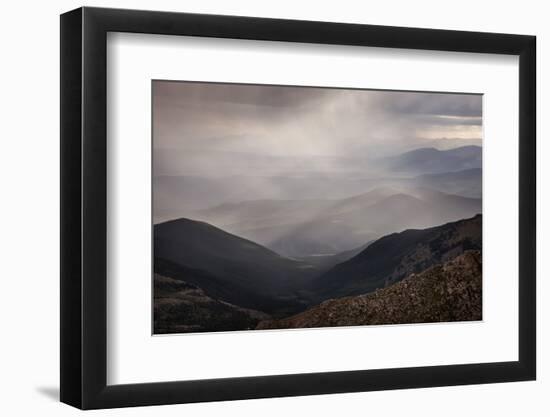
x: 181, y: 307
x: 446, y: 292
x: 394, y: 257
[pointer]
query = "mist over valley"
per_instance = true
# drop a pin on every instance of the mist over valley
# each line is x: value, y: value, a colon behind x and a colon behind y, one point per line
x: 271, y: 201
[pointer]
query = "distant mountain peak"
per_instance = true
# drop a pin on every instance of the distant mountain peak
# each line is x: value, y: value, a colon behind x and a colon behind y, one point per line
x: 420, y: 150
x: 431, y: 160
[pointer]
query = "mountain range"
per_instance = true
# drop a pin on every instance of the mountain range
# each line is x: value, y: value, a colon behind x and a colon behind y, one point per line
x: 455, y: 171
x: 273, y: 241
x: 301, y: 228
x: 245, y: 282
x: 432, y: 160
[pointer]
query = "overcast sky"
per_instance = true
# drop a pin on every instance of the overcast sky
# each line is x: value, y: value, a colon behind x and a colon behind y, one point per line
x: 303, y: 121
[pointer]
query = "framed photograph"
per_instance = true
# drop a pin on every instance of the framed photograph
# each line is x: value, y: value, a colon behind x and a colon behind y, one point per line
x: 257, y: 208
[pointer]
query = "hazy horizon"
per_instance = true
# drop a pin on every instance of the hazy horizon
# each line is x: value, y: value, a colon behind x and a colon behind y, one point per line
x: 216, y: 143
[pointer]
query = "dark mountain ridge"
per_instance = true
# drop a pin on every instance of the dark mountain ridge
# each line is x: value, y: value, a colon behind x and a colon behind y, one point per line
x: 447, y: 292
x: 393, y: 257
x: 239, y: 280
x: 227, y: 266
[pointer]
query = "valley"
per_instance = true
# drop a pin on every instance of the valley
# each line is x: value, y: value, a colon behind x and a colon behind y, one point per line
x: 279, y: 206
x: 207, y: 279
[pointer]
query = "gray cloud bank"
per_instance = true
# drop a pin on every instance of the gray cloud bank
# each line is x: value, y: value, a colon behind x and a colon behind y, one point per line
x: 302, y: 121
x: 204, y: 132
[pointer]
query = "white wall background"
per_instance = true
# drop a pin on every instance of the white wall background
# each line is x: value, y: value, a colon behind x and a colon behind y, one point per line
x: 29, y: 176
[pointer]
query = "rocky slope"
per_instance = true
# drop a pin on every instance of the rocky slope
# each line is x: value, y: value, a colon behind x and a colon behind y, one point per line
x: 442, y: 293
x: 394, y: 257
x: 181, y: 307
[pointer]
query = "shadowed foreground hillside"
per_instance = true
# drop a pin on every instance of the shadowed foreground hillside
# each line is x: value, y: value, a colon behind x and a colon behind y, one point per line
x: 442, y: 293
x: 230, y: 268
x: 183, y: 307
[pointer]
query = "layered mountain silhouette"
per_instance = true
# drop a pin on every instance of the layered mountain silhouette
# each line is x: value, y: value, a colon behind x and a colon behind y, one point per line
x: 465, y: 183
x: 275, y: 241
x: 431, y: 160
x: 206, y: 275
x: 184, y: 195
x: 301, y: 228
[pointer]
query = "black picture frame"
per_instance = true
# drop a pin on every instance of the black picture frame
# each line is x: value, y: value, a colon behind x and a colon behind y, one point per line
x: 84, y: 207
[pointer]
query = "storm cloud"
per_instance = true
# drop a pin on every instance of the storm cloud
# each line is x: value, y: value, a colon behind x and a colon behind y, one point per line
x: 306, y: 121
x: 219, y: 142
